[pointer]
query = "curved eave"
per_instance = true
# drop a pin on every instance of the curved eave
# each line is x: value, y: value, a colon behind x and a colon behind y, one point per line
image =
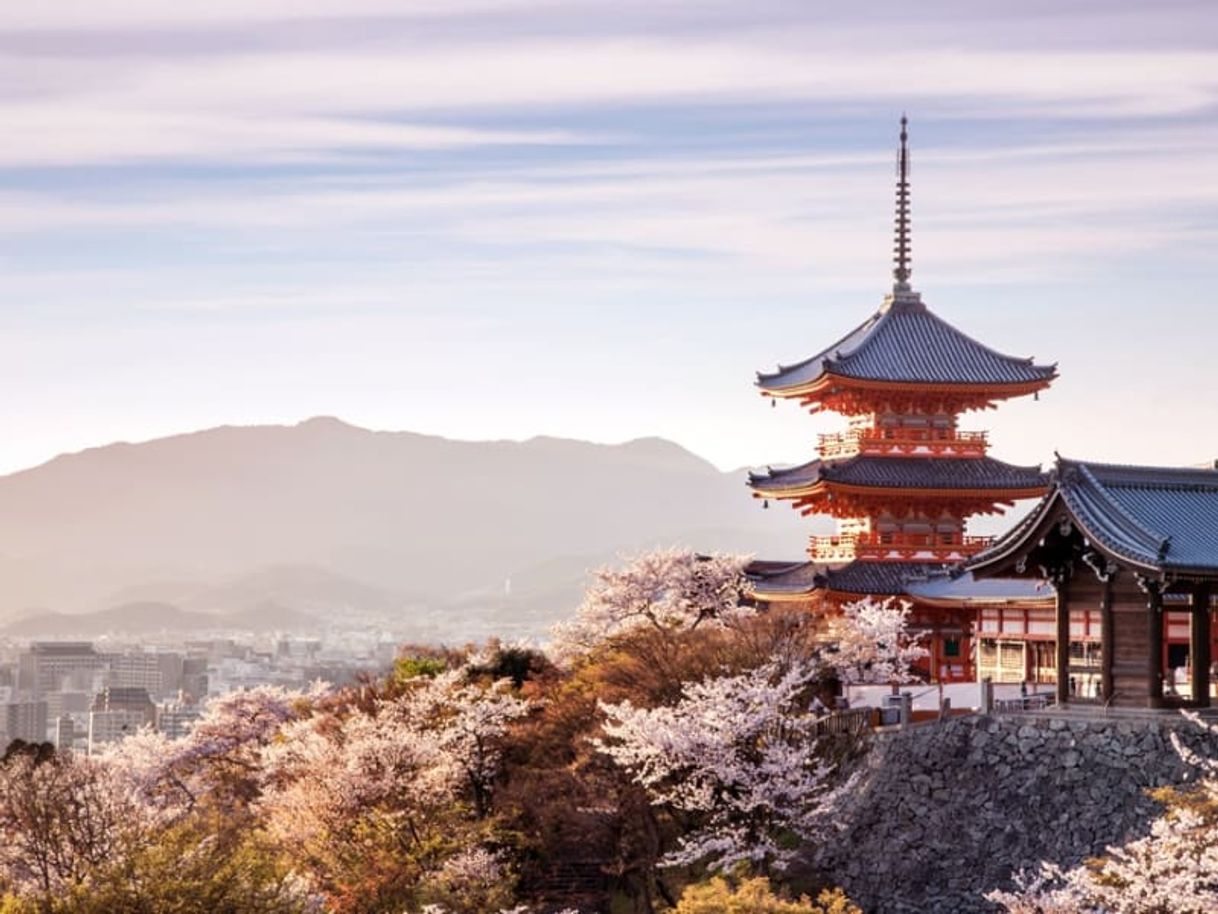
x: 784, y: 596
x: 827, y: 381
x: 982, y: 602
x: 1004, y: 555
x: 824, y: 487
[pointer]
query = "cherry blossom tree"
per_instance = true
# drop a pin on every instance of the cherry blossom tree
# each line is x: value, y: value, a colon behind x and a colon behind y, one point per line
x: 61, y: 816
x: 872, y: 642
x: 740, y: 754
x: 387, y: 802
x: 468, y: 721
x: 666, y: 591
x: 219, y: 757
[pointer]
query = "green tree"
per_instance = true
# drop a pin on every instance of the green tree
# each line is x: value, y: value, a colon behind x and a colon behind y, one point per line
x: 754, y: 896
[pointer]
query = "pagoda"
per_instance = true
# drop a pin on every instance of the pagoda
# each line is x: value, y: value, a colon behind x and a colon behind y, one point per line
x: 904, y: 478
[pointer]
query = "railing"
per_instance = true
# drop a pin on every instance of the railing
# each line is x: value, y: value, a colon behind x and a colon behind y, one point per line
x: 851, y: 722
x: 895, y: 547
x: 1037, y: 702
x: 903, y: 442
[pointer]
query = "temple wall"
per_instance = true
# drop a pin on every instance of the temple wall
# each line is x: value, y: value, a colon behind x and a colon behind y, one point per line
x: 1129, y: 612
x: 948, y: 811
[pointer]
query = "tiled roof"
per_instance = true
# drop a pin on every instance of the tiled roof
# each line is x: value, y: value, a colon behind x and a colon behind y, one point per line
x: 783, y: 577
x: 1158, y: 518
x: 880, y: 578
x: 913, y: 579
x: 904, y: 472
x: 904, y: 341
x: 966, y: 589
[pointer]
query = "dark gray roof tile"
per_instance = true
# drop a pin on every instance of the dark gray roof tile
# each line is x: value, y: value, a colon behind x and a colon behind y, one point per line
x: 905, y: 342
x: 1158, y: 518
x: 904, y: 472
x: 1161, y: 517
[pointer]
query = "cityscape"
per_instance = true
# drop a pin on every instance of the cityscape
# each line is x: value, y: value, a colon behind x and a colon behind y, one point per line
x: 82, y: 696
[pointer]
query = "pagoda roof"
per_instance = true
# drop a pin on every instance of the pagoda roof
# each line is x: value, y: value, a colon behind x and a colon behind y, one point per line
x: 1160, y: 519
x: 783, y: 577
x: 883, y: 579
x: 904, y: 342
x: 878, y: 578
x: 931, y: 583
x: 964, y: 473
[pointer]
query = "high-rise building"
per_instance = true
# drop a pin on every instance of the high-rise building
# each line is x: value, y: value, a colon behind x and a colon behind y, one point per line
x: 50, y: 666
x: 24, y: 719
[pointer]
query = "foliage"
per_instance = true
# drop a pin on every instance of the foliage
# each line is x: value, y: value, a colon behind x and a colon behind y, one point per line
x: 667, y: 591
x: 677, y: 730
x: 219, y: 760
x: 755, y: 896
x: 738, y: 752
x: 61, y: 816
x: 407, y: 668
x: 388, y: 804
x: 873, y: 643
x: 192, y: 868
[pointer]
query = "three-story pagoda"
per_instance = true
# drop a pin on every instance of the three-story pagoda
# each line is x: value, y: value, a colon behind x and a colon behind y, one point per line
x: 904, y: 478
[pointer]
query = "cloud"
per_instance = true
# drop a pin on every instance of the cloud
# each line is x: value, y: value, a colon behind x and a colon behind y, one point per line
x: 545, y: 73
x: 79, y: 134
x: 404, y: 91
x: 1024, y: 210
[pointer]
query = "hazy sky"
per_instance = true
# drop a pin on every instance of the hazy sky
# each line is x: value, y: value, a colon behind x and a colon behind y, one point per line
x: 596, y: 219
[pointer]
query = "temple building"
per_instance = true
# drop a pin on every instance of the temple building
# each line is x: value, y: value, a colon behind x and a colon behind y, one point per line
x: 904, y: 478
x: 1132, y: 553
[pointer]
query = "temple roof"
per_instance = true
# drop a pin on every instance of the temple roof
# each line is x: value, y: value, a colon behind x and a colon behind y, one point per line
x: 929, y: 582
x: 964, y: 473
x: 879, y: 578
x: 1162, y: 519
x: 905, y: 342
x: 968, y: 590
x: 783, y: 577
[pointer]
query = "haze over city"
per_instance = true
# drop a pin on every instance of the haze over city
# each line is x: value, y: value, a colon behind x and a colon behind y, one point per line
x: 591, y: 220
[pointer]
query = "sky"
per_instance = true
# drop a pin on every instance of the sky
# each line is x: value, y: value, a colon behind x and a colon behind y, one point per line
x: 499, y: 219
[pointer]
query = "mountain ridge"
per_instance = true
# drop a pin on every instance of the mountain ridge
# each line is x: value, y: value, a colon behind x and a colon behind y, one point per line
x: 393, y: 520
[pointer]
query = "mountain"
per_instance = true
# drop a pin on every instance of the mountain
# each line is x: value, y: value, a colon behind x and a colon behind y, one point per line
x: 149, y: 617
x: 323, y: 515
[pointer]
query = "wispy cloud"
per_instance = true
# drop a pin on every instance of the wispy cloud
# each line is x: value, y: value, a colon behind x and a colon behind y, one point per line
x: 478, y: 171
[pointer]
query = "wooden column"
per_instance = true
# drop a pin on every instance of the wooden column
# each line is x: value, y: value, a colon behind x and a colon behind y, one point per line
x: 1199, y: 644
x: 1107, y: 640
x: 1062, y: 617
x: 1154, y: 645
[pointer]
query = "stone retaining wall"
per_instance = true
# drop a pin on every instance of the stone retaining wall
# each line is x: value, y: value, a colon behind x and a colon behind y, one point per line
x: 946, y: 812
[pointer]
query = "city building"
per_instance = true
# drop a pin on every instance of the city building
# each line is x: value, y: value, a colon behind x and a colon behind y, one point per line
x: 110, y: 726
x: 66, y: 733
x: 24, y: 719
x: 175, y: 718
x: 904, y: 478
x: 159, y: 672
x: 125, y: 698
x: 51, y: 666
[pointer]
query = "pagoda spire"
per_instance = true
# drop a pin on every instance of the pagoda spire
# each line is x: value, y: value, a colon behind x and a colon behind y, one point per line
x: 901, y: 250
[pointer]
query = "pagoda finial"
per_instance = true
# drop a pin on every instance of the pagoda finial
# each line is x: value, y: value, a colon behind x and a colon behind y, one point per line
x: 901, y: 251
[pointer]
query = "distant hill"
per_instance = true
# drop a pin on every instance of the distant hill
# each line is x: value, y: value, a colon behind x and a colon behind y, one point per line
x: 324, y: 517
x: 147, y: 618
